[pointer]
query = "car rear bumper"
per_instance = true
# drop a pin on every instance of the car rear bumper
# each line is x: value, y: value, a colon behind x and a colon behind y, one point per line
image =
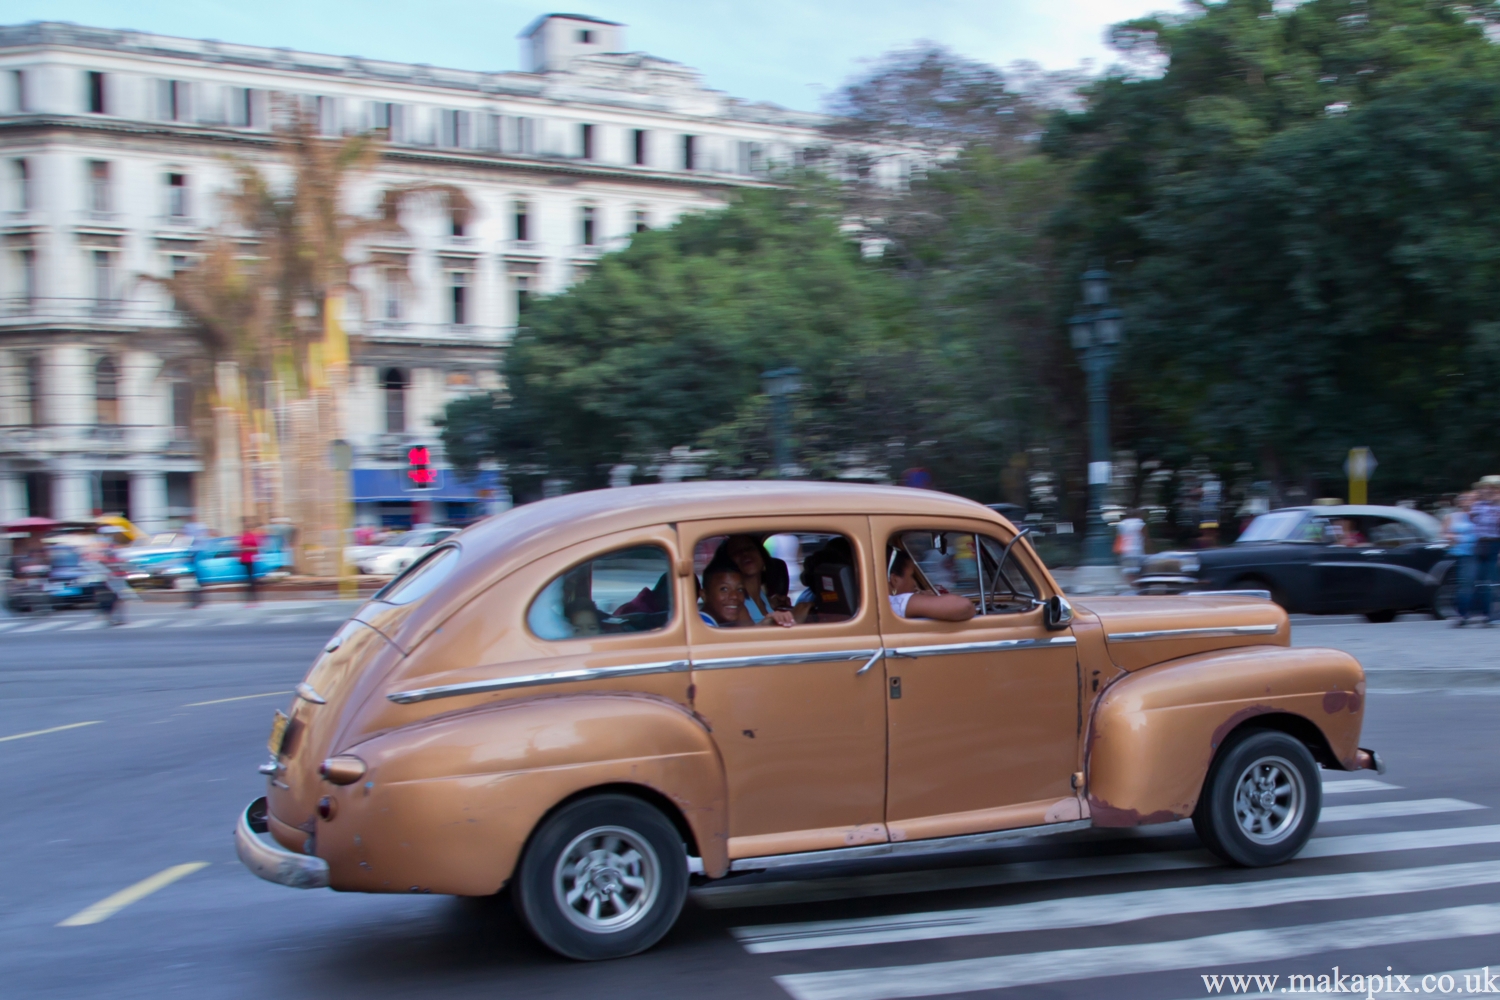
x: 268, y: 859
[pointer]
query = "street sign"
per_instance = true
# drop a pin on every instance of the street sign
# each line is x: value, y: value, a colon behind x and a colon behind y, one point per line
x: 420, y: 475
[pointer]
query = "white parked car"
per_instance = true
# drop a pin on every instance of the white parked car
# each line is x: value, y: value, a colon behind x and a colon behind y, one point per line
x: 397, y: 552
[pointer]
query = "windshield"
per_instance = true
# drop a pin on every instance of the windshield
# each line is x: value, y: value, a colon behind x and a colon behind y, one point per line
x: 395, y: 541
x: 1277, y: 526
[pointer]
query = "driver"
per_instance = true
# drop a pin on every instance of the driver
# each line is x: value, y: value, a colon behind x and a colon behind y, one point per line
x: 909, y: 601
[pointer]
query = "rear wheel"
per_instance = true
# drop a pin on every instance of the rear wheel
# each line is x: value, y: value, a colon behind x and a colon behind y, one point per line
x: 603, y: 877
x: 1260, y: 801
x: 1445, y: 597
x: 1256, y: 583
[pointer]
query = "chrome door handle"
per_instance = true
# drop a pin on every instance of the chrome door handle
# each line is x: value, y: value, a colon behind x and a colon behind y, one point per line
x: 870, y: 662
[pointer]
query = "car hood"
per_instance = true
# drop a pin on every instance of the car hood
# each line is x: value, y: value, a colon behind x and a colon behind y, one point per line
x: 1141, y: 631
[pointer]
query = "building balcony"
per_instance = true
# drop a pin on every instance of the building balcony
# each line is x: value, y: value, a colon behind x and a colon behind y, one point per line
x: 20, y: 311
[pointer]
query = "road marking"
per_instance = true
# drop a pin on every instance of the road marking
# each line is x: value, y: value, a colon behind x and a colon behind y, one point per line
x: 1387, y: 810
x: 734, y: 896
x: 243, y: 697
x: 54, y: 729
x: 1116, y: 908
x: 86, y: 626
x: 1352, y: 785
x: 7, y: 626
x: 110, y: 905
x: 1215, y: 950
x: 43, y: 626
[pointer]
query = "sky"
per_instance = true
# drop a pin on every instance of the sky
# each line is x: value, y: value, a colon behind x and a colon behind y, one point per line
x: 792, y: 52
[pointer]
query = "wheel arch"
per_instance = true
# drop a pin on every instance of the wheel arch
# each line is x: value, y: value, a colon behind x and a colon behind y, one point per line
x: 645, y: 793
x: 1299, y: 727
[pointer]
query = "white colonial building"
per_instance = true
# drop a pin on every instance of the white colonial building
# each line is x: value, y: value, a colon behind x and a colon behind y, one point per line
x: 113, y: 146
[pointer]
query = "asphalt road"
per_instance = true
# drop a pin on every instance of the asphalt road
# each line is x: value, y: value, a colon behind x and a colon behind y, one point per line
x: 169, y: 719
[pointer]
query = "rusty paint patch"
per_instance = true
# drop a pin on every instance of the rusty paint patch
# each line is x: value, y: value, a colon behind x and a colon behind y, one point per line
x: 1230, y: 724
x: 1104, y: 814
x: 1338, y: 701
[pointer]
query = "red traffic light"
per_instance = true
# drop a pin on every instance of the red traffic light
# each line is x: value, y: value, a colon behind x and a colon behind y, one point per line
x: 418, y: 471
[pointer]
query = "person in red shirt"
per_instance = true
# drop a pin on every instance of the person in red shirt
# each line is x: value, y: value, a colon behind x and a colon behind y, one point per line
x: 249, y: 546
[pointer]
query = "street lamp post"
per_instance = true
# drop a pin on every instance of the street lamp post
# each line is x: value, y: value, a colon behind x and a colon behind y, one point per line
x: 1097, y: 330
x: 780, y: 383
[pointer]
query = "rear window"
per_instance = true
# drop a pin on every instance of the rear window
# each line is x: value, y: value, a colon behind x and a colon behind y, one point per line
x: 421, y: 578
x: 628, y: 590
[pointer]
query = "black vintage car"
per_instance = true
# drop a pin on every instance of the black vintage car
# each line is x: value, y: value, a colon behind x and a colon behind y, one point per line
x: 1348, y: 559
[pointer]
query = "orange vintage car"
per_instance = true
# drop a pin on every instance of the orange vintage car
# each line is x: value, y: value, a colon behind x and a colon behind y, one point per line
x: 542, y: 705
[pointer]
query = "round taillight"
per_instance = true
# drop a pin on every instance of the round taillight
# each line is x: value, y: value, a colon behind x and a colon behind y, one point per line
x: 327, y: 808
x: 342, y: 770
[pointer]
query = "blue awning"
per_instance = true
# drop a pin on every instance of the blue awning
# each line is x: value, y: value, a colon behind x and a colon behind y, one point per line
x: 375, y: 485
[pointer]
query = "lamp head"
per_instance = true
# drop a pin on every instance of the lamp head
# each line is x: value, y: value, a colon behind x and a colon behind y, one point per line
x: 1095, y: 286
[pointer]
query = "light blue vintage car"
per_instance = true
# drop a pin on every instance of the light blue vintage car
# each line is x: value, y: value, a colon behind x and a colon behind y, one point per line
x: 214, y: 560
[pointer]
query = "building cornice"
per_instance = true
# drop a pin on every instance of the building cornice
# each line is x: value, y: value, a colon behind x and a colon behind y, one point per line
x: 47, y: 126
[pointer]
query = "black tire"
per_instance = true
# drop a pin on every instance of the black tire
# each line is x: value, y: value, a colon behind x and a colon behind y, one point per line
x: 1244, y: 828
x: 1380, y: 617
x: 1445, y: 597
x: 1257, y: 583
x: 618, y: 840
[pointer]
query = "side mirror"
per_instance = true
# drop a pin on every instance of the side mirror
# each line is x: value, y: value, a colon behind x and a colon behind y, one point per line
x: 1059, y: 613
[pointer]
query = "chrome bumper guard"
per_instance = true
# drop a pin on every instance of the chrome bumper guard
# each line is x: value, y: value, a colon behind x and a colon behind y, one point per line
x: 260, y: 853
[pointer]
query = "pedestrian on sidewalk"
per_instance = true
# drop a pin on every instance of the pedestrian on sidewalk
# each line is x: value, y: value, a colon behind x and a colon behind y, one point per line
x: 249, y: 547
x: 1130, y: 543
x: 1485, y: 514
x: 1463, y: 539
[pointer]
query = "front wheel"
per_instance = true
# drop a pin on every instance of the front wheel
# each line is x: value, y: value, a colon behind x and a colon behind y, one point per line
x: 603, y: 877
x: 1260, y: 801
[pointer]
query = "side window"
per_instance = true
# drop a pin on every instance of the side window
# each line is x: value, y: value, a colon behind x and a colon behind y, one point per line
x: 628, y: 590
x: 1390, y: 534
x: 747, y: 579
x: 970, y: 565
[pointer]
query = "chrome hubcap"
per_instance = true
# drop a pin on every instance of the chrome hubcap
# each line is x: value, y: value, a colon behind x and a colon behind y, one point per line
x: 1268, y: 800
x: 606, y: 879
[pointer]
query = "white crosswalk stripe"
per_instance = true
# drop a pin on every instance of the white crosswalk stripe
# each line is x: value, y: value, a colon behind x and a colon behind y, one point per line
x: 1116, y: 908
x: 1215, y: 950
x: 1079, y: 911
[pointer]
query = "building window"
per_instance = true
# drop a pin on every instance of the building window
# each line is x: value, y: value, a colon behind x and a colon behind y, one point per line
x: 641, y: 225
x: 393, y: 382
x: 455, y: 224
x: 28, y: 274
x: 21, y: 174
x: 180, y: 494
x: 521, y: 135
x: 587, y: 232
x: 458, y: 297
x: 104, y: 278
x: 95, y: 83
x: 393, y: 280
x: 114, y: 493
x: 35, y: 411
x: 19, y: 96
x: 523, y: 222
x: 586, y: 141
x: 689, y: 152
x: 174, y: 100
x: 390, y: 118
x: 585, y: 36
x: 99, y: 200
x: 639, y: 142
x: 177, y: 196
x: 182, y: 408
x: 523, y: 295
x: 106, y: 392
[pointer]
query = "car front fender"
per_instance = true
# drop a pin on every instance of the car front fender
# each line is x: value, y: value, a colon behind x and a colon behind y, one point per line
x: 1153, y: 734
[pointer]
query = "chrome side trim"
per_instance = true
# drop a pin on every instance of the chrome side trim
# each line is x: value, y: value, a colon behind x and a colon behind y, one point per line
x: 1264, y: 595
x: 306, y: 692
x: 533, y: 680
x: 907, y: 848
x: 1193, y: 633
x: 998, y: 646
x: 780, y: 659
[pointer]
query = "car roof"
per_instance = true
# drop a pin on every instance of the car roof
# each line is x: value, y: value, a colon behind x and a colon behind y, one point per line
x: 1421, y: 519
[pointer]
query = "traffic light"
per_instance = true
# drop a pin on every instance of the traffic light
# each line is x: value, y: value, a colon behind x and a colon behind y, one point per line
x: 420, y: 475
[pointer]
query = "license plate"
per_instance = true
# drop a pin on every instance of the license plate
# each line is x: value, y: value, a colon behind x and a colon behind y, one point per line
x: 278, y: 732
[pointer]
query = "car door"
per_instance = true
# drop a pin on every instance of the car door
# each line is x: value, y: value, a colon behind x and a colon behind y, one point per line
x: 798, y: 713
x: 1345, y: 578
x: 1402, y: 558
x: 983, y: 714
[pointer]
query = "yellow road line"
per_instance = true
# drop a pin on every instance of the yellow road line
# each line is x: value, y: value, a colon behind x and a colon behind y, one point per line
x: 243, y: 697
x: 44, y: 732
x: 110, y: 905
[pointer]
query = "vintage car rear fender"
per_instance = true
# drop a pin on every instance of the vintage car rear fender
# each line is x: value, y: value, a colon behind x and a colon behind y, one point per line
x: 1153, y: 733
x: 446, y: 805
